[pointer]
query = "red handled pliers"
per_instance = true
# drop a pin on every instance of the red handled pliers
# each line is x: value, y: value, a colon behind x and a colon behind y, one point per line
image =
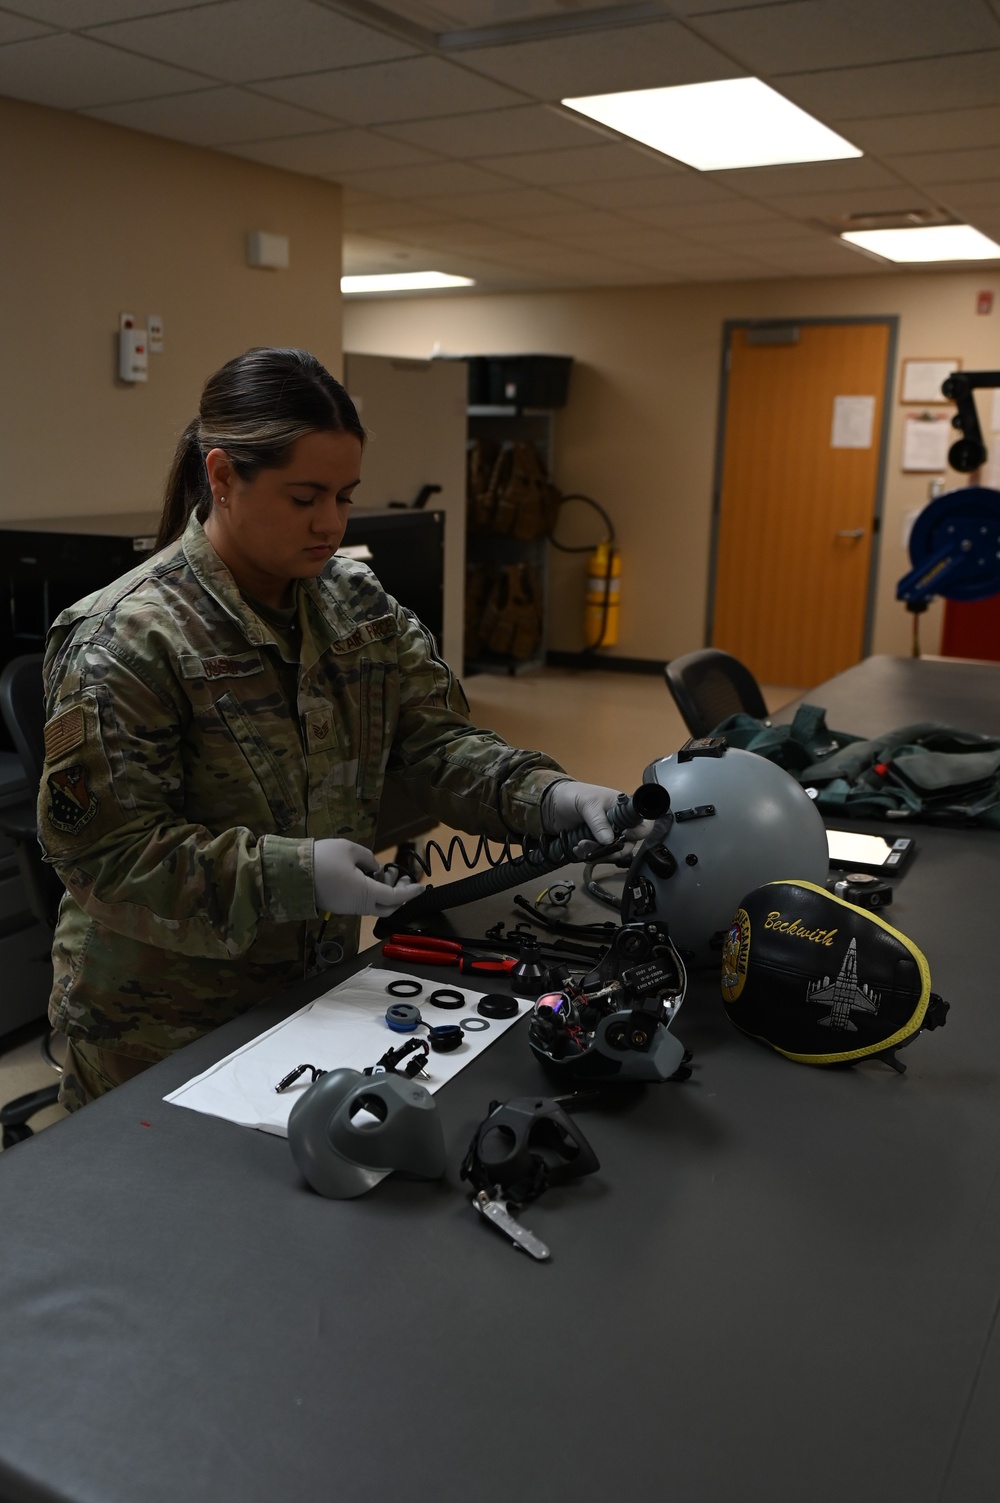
x: 426, y: 949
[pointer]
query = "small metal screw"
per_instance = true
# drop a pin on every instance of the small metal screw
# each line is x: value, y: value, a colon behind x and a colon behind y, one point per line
x: 691, y: 860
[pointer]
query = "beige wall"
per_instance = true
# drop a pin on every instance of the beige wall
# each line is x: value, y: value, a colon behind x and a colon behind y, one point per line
x: 97, y: 220
x: 639, y: 432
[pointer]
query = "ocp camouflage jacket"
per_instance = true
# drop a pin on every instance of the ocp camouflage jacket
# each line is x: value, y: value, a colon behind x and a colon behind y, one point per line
x: 181, y: 793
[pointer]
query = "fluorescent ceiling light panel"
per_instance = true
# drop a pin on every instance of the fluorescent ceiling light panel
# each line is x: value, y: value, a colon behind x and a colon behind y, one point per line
x: 936, y: 242
x: 403, y: 281
x: 735, y: 122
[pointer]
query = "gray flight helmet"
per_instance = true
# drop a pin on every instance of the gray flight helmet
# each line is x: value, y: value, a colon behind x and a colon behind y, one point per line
x: 736, y: 821
x: 349, y: 1130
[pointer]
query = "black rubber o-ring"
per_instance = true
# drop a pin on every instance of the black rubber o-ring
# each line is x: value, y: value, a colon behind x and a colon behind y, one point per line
x: 474, y: 1025
x: 446, y: 996
x: 406, y: 986
x: 497, y: 1005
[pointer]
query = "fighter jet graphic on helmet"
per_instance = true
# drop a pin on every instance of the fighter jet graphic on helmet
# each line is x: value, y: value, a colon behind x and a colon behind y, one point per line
x: 844, y: 994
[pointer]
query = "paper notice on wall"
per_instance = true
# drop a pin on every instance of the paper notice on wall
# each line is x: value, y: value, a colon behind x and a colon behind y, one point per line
x: 853, y: 421
x: 923, y: 379
x: 925, y: 443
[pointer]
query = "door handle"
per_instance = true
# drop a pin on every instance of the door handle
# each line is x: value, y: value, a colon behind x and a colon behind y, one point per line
x: 850, y: 532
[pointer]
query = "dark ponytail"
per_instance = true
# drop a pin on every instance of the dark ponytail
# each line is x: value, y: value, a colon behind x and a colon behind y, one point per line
x: 255, y: 408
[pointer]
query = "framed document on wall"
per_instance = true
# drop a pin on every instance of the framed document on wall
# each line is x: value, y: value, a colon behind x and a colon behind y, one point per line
x: 921, y: 379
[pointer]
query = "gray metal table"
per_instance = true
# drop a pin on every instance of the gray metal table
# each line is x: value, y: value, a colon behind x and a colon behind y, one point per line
x: 781, y: 1286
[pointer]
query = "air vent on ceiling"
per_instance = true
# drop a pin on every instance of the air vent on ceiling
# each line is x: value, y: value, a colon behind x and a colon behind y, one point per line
x: 886, y: 219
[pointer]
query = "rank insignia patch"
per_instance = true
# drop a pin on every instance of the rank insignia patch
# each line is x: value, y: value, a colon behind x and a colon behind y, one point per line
x: 72, y: 804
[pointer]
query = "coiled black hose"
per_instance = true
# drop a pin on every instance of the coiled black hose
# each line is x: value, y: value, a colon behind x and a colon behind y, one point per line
x: 650, y: 801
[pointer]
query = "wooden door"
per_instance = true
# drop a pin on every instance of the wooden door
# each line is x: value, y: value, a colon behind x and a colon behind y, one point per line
x: 796, y: 514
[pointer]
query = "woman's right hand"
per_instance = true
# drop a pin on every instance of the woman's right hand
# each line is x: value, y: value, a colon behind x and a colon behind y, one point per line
x: 349, y: 880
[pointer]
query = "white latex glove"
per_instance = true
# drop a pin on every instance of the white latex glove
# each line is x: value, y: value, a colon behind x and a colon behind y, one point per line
x: 567, y: 805
x: 348, y: 879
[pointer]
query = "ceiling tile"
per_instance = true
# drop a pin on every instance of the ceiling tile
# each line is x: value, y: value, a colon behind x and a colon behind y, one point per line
x: 530, y: 127
x: 702, y: 7
x: 17, y: 29
x: 504, y: 207
x: 367, y: 254
x: 464, y: 235
x: 806, y: 34
x: 461, y: 15
x: 586, y: 227
x: 963, y: 196
x: 630, y: 193
x: 808, y: 177
x: 599, y: 62
x: 73, y: 15
x: 745, y: 271
x: 733, y: 210
x: 368, y: 213
x: 637, y: 243
x: 947, y: 83
x: 584, y: 164
x: 950, y: 166
x: 428, y: 179
x: 832, y: 259
x: 413, y: 89
x: 211, y: 117
x: 362, y: 255
x: 695, y: 262
x: 71, y: 72
x: 329, y: 152
x: 241, y: 40
x: 857, y: 201
x: 567, y: 260
x: 942, y: 130
x: 760, y: 234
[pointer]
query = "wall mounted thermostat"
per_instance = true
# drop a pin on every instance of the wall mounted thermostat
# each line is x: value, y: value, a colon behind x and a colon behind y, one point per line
x: 264, y: 249
x: 133, y: 351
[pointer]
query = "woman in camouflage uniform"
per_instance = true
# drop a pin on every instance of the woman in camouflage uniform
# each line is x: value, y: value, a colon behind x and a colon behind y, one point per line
x: 219, y: 725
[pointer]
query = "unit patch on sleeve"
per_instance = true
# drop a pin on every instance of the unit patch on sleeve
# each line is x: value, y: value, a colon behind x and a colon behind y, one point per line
x: 72, y: 803
x: 64, y: 734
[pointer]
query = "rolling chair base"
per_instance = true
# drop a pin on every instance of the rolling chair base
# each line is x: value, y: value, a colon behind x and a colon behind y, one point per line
x: 14, y: 1116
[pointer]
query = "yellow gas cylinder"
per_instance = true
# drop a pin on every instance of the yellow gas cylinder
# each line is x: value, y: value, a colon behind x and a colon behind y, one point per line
x: 600, y: 622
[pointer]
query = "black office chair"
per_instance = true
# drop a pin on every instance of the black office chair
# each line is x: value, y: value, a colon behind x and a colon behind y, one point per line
x: 710, y: 685
x: 23, y: 708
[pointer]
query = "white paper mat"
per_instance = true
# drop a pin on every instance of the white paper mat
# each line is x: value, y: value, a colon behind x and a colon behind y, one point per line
x: 345, y: 1027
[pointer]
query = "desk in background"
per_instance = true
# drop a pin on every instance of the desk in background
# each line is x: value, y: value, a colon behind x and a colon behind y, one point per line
x: 781, y: 1286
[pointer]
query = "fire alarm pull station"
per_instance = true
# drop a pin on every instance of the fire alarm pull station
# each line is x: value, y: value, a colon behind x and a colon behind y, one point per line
x: 133, y: 351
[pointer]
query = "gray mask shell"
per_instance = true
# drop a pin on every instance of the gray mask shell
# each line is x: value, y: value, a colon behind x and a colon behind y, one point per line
x: 349, y: 1129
